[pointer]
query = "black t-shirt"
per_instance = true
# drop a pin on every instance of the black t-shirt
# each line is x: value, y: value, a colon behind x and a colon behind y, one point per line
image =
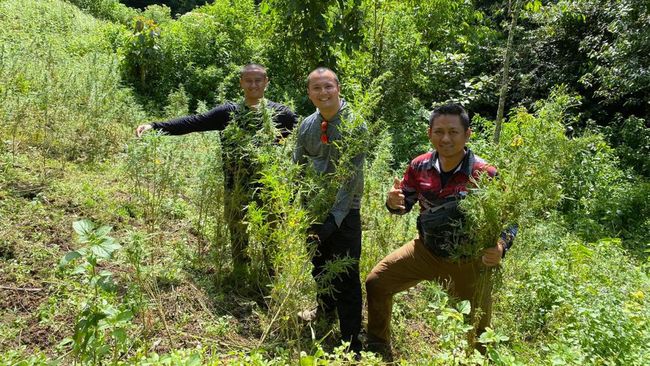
x: 444, y: 176
x: 239, y: 169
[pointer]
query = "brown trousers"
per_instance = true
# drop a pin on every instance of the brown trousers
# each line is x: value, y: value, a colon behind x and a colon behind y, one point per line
x: 408, y: 266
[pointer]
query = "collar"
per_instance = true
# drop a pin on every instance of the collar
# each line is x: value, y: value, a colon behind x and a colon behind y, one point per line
x: 465, y: 165
x: 337, y: 117
x: 263, y: 102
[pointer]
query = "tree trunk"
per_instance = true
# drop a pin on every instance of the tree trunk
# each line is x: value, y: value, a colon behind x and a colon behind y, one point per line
x: 506, y: 67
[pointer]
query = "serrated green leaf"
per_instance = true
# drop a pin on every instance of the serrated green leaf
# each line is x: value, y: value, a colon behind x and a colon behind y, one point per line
x: 106, y: 248
x: 79, y: 269
x: 102, y: 231
x: 69, y: 257
x: 99, y: 252
x: 119, y: 334
x: 83, y: 227
x: 105, y: 282
x: 464, y: 307
x: 124, y: 316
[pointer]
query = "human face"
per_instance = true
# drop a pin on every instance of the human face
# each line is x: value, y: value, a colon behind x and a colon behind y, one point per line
x: 323, y: 91
x: 253, y: 82
x: 449, y: 137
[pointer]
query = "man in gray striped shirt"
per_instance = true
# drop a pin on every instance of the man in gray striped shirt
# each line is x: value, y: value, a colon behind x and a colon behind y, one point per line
x: 321, y: 142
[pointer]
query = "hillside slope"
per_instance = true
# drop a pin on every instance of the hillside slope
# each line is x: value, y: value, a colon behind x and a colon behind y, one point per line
x: 172, y: 297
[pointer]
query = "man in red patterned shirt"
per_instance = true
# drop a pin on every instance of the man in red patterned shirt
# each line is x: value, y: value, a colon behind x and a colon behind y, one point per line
x: 437, y: 180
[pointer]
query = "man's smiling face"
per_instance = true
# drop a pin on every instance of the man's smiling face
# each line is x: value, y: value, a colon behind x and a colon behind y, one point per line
x: 323, y: 90
x: 253, y: 82
x: 449, y: 136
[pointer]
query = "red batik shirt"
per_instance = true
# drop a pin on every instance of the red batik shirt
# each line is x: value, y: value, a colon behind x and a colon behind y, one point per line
x: 422, y: 180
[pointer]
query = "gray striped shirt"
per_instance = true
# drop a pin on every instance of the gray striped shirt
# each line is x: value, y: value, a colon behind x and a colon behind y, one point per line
x: 324, y: 158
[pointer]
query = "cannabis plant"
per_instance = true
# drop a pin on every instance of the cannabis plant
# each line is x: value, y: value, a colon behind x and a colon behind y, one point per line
x: 100, y: 328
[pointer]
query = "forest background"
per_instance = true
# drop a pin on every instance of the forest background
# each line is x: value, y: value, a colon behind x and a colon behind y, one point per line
x: 114, y: 250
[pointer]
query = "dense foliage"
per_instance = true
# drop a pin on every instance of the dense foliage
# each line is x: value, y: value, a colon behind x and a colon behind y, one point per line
x: 176, y: 6
x: 77, y: 76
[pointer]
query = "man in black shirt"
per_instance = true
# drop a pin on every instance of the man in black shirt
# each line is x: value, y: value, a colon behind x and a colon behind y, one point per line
x: 239, y: 172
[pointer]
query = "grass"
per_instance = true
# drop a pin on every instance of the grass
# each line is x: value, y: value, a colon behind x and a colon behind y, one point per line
x: 564, y: 298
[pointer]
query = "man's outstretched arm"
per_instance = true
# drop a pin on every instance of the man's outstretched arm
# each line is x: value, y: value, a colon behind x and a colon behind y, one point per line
x: 214, y: 119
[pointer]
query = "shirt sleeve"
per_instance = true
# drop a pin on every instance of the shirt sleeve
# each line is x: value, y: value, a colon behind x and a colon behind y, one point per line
x: 285, y: 121
x: 299, y: 149
x: 508, y: 236
x: 408, y: 190
x: 214, y: 119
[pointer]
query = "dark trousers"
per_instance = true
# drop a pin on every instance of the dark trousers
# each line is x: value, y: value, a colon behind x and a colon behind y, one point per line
x: 341, y: 291
x: 239, y: 192
x: 235, y: 203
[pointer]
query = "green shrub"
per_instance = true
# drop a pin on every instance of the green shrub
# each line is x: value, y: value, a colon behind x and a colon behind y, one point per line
x: 101, y: 327
x: 111, y: 10
x: 630, y: 138
x: 586, y: 298
x: 141, y: 51
x: 62, y: 85
x: 528, y: 158
x: 158, y: 13
x: 601, y: 198
x: 154, y: 166
x: 202, y: 51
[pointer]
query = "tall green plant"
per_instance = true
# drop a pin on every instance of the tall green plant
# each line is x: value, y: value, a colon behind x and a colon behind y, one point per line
x: 208, y: 198
x: 383, y: 231
x: 100, y: 329
x: 529, y: 160
x: 142, y: 51
x: 289, y: 201
x: 278, y: 227
x: 527, y: 188
x: 154, y: 167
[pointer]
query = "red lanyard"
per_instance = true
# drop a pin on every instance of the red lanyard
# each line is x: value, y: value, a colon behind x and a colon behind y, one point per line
x: 323, y: 133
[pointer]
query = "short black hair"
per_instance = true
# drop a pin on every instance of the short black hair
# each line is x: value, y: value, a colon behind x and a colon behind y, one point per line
x: 251, y: 66
x: 320, y: 70
x: 453, y: 109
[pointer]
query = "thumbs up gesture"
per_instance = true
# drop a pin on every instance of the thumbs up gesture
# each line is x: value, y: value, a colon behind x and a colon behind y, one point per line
x: 395, y: 196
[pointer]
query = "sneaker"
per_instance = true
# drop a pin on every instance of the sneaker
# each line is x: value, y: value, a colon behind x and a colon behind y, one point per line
x: 318, y: 316
x: 308, y: 315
